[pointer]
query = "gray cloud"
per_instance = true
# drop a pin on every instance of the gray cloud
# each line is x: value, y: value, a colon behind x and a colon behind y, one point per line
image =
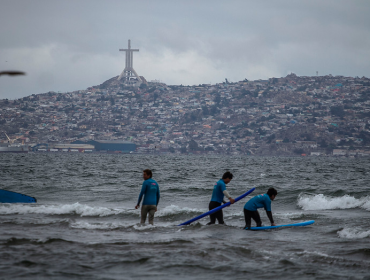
x: 69, y: 45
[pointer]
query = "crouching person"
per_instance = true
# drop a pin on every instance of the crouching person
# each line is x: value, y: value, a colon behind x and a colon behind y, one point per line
x: 259, y: 201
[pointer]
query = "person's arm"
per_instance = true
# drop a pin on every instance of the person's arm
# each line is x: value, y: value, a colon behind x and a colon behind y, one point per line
x: 269, y: 215
x: 267, y: 203
x: 143, y: 188
x: 228, y: 196
x: 158, y: 197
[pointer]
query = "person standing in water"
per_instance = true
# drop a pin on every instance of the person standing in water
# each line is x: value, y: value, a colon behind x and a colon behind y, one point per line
x: 150, y: 191
x: 259, y: 201
x: 219, y: 191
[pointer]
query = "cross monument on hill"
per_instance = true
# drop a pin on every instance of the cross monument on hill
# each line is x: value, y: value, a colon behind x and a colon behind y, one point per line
x: 129, y: 74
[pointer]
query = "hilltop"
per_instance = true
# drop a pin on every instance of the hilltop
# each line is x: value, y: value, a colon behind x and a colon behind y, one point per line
x: 292, y: 115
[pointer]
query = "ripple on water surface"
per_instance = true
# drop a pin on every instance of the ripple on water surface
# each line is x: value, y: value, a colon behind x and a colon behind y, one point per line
x: 85, y: 225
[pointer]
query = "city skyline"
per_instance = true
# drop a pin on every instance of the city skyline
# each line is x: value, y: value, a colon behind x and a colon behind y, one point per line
x: 315, y: 116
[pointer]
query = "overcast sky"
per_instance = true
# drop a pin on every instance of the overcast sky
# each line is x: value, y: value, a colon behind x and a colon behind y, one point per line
x: 73, y: 44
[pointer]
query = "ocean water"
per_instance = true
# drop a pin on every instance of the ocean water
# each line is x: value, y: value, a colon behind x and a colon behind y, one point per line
x: 84, y: 225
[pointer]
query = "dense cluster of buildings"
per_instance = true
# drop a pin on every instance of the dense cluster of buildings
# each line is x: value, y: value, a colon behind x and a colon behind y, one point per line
x: 319, y: 115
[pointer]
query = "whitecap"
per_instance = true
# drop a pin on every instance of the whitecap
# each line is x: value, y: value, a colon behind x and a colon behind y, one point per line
x: 87, y: 225
x: 366, y: 205
x: 76, y: 208
x: 290, y: 215
x: 322, y: 202
x: 142, y: 227
x: 233, y: 214
x: 174, y: 210
x: 317, y: 253
x: 117, y: 225
x: 353, y: 233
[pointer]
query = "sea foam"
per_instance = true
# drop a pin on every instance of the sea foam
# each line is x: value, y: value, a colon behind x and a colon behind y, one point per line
x: 175, y: 210
x: 64, y: 209
x: 322, y: 202
x: 353, y: 233
x: 106, y: 226
x: 172, y: 210
x: 118, y: 225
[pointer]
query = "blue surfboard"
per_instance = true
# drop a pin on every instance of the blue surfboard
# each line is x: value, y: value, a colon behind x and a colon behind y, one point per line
x: 13, y: 197
x: 217, y: 209
x: 279, y: 226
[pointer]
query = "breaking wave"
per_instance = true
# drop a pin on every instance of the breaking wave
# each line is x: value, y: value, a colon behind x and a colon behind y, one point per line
x: 117, y: 225
x: 322, y: 202
x: 72, y: 209
x: 175, y: 210
x: 353, y: 233
x: 86, y: 210
x: 107, y: 226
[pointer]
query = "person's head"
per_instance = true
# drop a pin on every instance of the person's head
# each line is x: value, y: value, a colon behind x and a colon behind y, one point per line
x: 147, y: 174
x: 227, y: 177
x: 272, y: 193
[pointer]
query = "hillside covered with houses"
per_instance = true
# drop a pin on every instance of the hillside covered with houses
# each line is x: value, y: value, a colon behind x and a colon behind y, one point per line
x: 293, y: 115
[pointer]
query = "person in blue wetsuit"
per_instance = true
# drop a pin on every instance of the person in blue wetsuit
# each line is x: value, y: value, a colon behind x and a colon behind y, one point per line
x: 219, y: 191
x: 150, y: 191
x: 259, y: 201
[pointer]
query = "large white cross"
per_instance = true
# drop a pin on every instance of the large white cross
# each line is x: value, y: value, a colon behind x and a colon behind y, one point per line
x: 129, y: 71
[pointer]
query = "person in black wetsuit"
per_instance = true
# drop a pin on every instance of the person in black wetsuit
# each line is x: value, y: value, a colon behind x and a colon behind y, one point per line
x: 259, y: 201
x: 219, y: 191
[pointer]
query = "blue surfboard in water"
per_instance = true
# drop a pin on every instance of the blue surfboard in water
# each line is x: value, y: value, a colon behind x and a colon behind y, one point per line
x: 13, y: 197
x: 279, y: 226
x: 217, y: 209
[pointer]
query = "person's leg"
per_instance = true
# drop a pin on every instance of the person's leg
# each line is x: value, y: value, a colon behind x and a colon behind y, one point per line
x: 247, y: 218
x: 152, y: 209
x: 213, y: 205
x: 256, y: 217
x: 220, y: 217
x: 144, y: 213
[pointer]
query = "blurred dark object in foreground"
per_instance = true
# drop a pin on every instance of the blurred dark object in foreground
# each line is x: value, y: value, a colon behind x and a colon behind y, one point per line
x: 12, y: 73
